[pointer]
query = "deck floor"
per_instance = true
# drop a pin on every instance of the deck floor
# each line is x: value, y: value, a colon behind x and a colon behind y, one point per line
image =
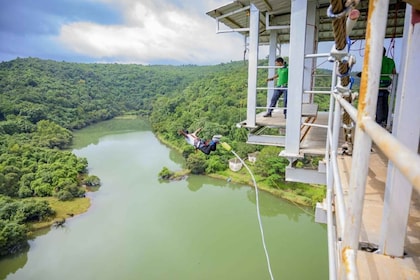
x: 371, y: 266
x: 374, y: 266
x: 314, y: 142
x: 377, y: 266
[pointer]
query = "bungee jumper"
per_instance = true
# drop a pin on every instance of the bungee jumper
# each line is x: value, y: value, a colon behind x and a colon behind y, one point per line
x: 205, y: 146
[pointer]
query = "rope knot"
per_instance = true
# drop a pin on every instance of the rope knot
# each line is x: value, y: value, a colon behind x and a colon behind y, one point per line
x: 340, y: 14
x: 349, y: 61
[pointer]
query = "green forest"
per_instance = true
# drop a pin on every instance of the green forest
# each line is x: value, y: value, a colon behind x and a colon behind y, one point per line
x: 42, y: 102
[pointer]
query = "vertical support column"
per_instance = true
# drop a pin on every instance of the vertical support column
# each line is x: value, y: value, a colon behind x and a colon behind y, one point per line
x: 252, y: 66
x: 298, y: 16
x: 310, y: 47
x: 375, y: 33
x: 271, y: 61
x: 406, y: 129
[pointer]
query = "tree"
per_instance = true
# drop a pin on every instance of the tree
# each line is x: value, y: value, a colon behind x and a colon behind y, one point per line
x: 215, y: 163
x: 33, y: 211
x: 13, y: 215
x: 92, y: 181
x: 271, y: 166
x: 12, y: 237
x: 197, y: 163
x: 165, y: 173
x: 51, y: 135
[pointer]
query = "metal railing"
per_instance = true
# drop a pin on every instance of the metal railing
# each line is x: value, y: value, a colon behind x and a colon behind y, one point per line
x: 407, y: 162
x: 343, y: 241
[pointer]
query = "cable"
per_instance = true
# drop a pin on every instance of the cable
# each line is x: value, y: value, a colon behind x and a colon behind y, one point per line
x: 229, y: 149
x: 307, y: 212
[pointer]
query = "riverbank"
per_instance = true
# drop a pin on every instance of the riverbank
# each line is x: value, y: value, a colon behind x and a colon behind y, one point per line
x: 63, y: 210
x: 244, y: 178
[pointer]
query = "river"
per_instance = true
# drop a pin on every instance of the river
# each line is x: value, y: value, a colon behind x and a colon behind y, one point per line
x: 141, y: 228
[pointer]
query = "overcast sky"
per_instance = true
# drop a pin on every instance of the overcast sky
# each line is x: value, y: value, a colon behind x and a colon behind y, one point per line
x: 122, y: 31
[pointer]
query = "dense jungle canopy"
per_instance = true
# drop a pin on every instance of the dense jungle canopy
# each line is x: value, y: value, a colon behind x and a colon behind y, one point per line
x: 43, y: 101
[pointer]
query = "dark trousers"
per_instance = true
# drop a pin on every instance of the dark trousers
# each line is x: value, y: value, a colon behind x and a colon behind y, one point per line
x: 207, y: 148
x: 382, y: 107
x: 276, y: 96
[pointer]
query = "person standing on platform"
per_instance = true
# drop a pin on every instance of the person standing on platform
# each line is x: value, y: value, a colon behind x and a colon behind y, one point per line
x: 282, y: 77
x: 382, y: 107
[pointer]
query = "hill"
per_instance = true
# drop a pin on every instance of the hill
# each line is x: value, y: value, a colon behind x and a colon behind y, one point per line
x: 43, y: 101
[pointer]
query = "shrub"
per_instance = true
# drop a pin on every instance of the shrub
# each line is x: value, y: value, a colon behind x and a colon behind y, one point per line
x: 197, y: 163
x: 165, y: 173
x: 64, y: 195
x: 12, y: 237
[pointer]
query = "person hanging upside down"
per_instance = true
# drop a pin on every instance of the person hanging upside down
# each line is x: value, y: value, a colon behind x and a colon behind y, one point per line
x: 200, y: 144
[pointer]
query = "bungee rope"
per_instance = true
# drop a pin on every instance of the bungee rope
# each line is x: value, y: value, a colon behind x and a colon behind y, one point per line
x: 228, y: 148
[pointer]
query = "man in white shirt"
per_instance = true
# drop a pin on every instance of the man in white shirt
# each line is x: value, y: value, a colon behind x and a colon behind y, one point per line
x: 200, y: 144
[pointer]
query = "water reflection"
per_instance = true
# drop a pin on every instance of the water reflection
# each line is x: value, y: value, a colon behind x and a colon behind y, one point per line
x: 274, y: 207
x: 176, y: 157
x: 196, y: 182
x: 93, y: 133
x: 11, y: 264
x: 194, y: 185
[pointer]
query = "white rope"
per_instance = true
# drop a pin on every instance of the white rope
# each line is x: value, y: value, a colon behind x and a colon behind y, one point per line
x: 258, y: 214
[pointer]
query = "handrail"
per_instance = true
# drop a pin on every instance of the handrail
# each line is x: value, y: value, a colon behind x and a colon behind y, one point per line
x: 336, y: 193
x: 273, y: 27
x: 331, y: 236
x: 403, y: 158
x: 218, y: 30
x: 407, y: 162
x: 332, y: 253
x: 317, y: 91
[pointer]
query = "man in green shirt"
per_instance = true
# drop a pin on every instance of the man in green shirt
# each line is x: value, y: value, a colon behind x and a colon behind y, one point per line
x: 382, y: 107
x: 282, y: 78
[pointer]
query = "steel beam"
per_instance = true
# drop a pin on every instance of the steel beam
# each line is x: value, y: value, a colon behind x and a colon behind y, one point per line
x: 375, y: 34
x: 406, y: 129
x: 252, y: 65
x: 298, y: 17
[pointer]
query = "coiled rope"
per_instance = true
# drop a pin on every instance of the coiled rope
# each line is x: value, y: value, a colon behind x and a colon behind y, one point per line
x: 338, y: 11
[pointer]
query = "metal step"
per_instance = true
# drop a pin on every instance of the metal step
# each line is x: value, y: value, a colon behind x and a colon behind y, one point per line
x: 308, y: 176
x: 270, y: 140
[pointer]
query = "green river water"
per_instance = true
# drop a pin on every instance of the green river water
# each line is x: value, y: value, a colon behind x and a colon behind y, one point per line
x: 141, y: 228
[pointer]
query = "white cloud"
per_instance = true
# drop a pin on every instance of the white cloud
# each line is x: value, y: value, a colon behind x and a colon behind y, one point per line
x: 155, y: 31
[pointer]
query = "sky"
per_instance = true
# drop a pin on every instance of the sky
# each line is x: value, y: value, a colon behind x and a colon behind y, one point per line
x: 116, y: 31
x: 122, y: 31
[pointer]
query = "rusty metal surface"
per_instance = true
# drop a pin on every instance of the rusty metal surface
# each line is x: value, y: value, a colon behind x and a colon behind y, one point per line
x: 377, y: 266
